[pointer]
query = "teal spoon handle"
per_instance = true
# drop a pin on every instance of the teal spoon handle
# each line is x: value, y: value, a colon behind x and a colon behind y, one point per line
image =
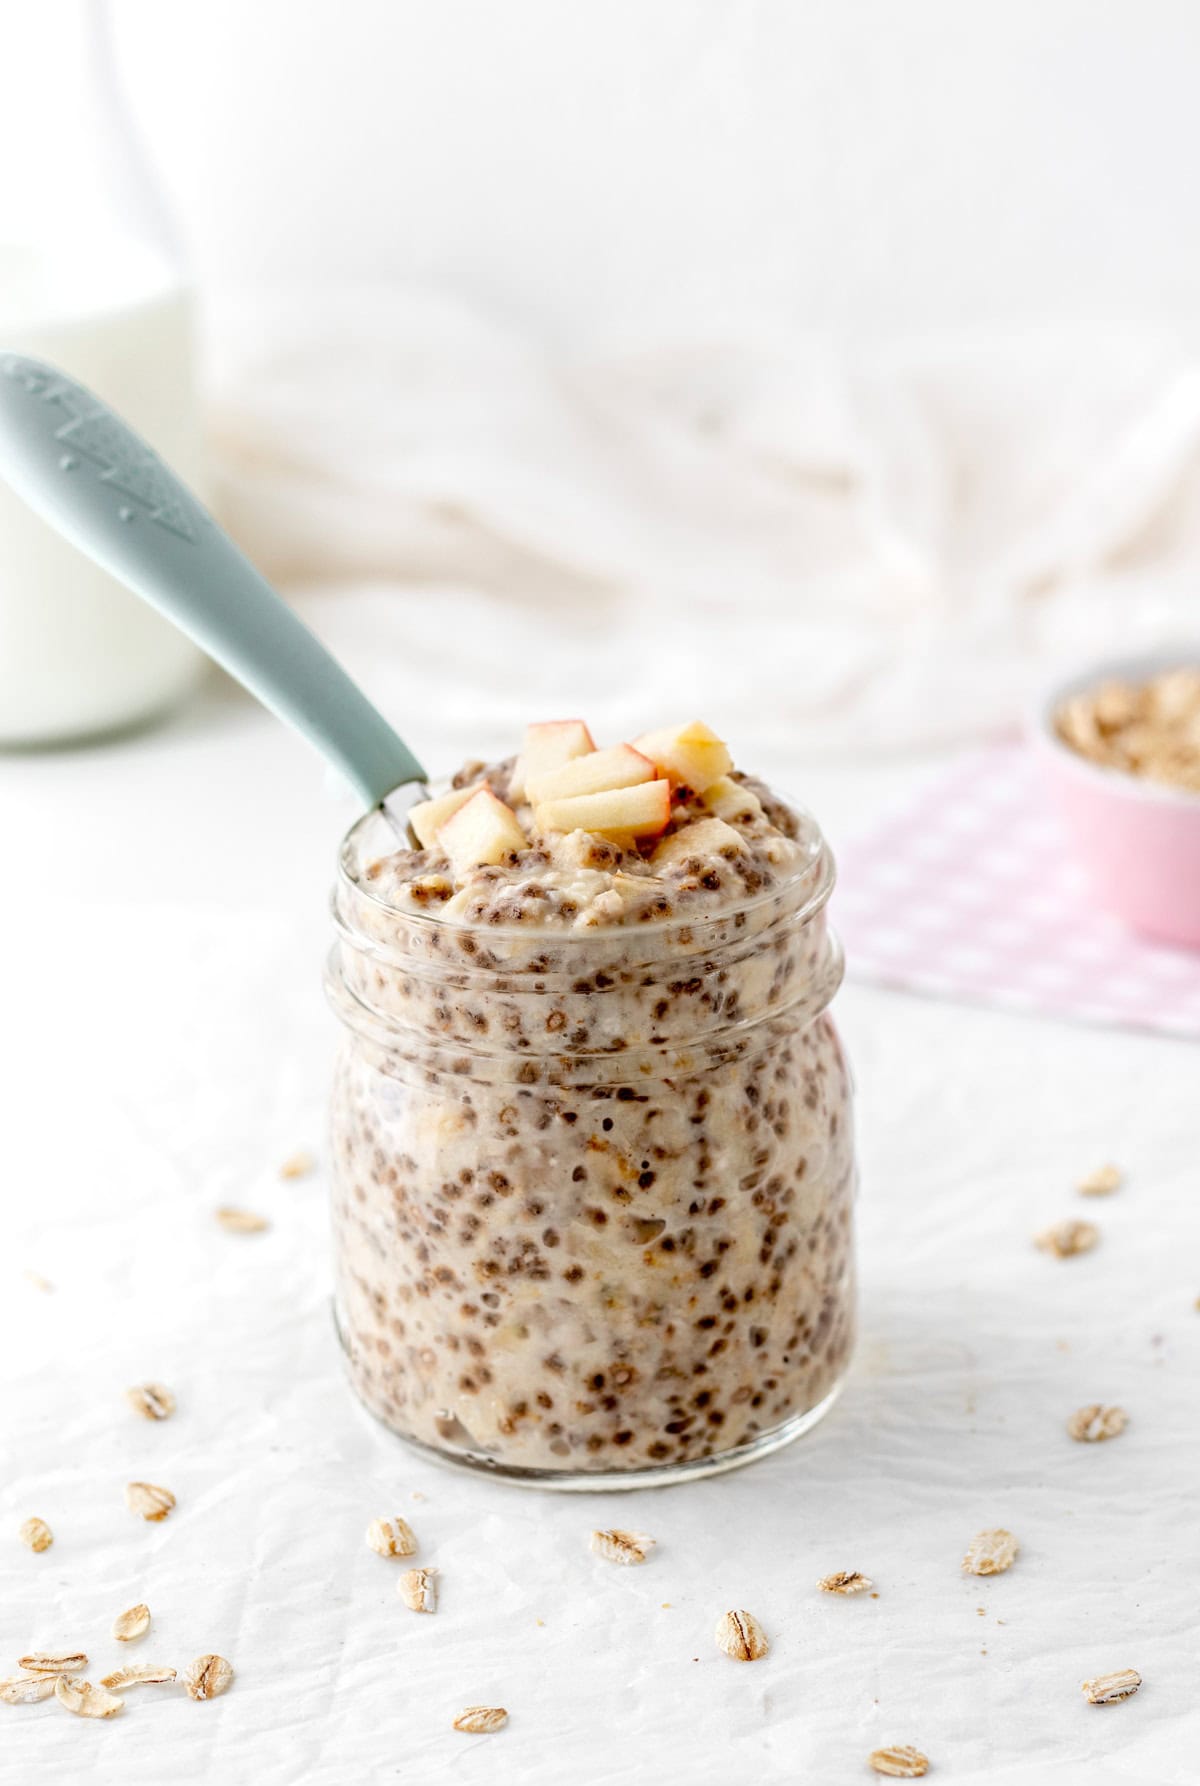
x: 97, y: 482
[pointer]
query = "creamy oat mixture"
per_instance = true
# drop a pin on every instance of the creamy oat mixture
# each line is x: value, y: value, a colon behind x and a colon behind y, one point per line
x: 582, y: 880
x: 593, y: 1170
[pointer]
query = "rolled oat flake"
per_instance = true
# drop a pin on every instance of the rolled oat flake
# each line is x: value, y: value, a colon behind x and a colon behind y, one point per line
x: 53, y: 1661
x: 617, y: 1546
x: 1095, y: 1423
x: 391, y: 1538
x: 153, y: 1401
x: 991, y: 1553
x: 241, y: 1221
x: 141, y: 1674
x: 480, y: 1720
x: 27, y: 1689
x: 1106, y: 1689
x: 899, y: 1761
x: 85, y: 1700
x: 845, y: 1582
x: 148, y: 1500
x: 134, y: 1623
x: 1065, y: 1239
x: 208, y: 1677
x: 740, y: 1635
x: 418, y: 1589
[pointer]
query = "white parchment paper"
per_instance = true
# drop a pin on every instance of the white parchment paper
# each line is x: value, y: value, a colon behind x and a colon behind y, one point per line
x: 166, y: 1048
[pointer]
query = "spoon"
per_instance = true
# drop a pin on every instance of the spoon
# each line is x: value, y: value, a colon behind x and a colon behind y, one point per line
x: 95, y: 481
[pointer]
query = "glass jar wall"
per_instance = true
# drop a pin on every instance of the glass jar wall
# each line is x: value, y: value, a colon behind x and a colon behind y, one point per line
x: 593, y: 1192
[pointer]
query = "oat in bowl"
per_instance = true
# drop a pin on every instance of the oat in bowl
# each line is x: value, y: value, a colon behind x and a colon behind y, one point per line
x: 1120, y: 748
x: 593, y: 1167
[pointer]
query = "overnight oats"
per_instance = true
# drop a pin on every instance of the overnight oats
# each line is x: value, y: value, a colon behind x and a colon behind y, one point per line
x: 593, y: 1169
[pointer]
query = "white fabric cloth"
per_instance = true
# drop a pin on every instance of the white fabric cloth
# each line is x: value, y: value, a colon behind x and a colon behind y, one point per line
x: 166, y: 1047
x: 871, y: 549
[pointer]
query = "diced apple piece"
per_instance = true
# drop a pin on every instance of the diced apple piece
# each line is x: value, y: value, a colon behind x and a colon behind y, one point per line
x: 428, y: 818
x: 482, y: 831
x: 692, y: 755
x: 640, y: 811
x: 707, y: 837
x: 597, y: 773
x: 548, y: 745
x: 730, y: 800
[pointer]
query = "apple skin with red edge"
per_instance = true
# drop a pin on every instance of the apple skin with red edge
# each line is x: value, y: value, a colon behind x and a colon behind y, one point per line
x: 481, y: 833
x: 428, y: 818
x: 640, y: 811
x: 596, y: 773
x: 549, y: 743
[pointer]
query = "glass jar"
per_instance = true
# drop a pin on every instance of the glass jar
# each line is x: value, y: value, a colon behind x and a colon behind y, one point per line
x: 592, y: 1190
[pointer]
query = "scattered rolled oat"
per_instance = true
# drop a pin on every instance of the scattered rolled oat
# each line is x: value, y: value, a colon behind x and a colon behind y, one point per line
x: 85, y: 1700
x: 241, y: 1221
x: 741, y: 1636
x: 148, y: 1500
x: 616, y: 1546
x: 208, y: 1677
x: 1096, y: 1422
x: 477, y: 1720
x: 39, y: 1282
x: 391, y: 1538
x: 899, y: 1761
x: 1106, y: 1689
x: 418, y: 1589
x: 991, y: 1552
x: 36, y: 1533
x: 1067, y: 1238
x: 153, y: 1401
x: 131, y: 1624
x: 1101, y: 1183
x: 297, y: 1165
x: 845, y: 1581
x: 26, y: 1689
x: 139, y: 1674
x: 53, y: 1662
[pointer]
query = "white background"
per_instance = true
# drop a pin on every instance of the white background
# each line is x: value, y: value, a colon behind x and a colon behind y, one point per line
x: 646, y: 169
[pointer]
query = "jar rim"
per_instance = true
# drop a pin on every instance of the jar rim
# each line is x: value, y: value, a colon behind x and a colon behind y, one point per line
x: 817, y: 856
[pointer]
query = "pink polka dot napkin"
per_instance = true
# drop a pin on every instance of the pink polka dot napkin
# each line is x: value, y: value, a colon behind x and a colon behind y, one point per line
x: 968, y: 891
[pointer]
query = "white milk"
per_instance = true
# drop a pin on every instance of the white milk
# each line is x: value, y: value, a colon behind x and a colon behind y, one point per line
x: 78, y: 653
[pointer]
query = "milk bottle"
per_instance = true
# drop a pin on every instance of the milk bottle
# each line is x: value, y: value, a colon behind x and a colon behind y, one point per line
x: 89, y: 281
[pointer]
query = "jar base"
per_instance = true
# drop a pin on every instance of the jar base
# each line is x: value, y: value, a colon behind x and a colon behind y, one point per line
x: 614, y: 1481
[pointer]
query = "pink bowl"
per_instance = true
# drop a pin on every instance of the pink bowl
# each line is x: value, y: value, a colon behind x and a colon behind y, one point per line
x: 1138, y: 839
